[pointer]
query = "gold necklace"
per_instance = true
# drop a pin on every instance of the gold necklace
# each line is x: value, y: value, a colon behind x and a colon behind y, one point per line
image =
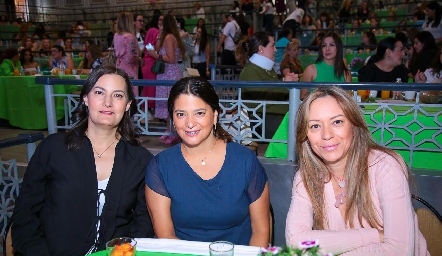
x: 203, y: 162
x: 99, y: 155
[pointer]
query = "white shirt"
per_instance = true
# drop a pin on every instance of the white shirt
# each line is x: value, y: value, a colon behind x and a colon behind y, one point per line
x: 199, y: 58
x: 297, y: 15
x: 229, y: 31
x: 433, y: 78
x: 271, y: 9
x: 200, y: 14
x: 436, y: 32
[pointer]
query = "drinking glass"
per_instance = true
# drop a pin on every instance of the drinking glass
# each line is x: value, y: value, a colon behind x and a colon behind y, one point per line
x: 121, y: 246
x: 221, y: 248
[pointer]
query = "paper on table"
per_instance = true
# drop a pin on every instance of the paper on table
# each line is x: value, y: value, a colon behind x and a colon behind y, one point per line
x: 187, y: 247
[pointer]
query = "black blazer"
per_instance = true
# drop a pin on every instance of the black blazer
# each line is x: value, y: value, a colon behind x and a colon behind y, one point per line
x: 56, y: 211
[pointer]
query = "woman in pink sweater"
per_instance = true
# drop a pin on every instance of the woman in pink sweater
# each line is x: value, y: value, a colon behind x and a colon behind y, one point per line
x: 349, y: 193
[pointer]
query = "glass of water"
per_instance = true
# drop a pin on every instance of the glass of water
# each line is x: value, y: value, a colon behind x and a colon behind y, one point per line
x: 221, y: 248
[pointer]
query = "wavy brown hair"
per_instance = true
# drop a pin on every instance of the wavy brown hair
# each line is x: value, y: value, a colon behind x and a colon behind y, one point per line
x: 170, y: 27
x: 315, y: 173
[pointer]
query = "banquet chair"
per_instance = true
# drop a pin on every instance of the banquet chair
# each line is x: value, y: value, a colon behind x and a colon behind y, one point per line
x: 430, y: 225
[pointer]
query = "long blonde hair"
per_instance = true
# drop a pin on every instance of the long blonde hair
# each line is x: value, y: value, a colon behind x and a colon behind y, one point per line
x: 125, y: 23
x: 294, y: 44
x: 315, y: 173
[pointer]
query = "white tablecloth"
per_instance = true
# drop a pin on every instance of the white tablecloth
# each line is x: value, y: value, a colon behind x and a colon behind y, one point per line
x: 187, y: 247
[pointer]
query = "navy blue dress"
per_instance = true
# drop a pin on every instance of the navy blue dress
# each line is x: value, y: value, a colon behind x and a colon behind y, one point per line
x: 209, y: 210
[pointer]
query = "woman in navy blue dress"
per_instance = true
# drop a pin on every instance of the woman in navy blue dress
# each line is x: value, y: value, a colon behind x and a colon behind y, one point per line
x: 206, y: 188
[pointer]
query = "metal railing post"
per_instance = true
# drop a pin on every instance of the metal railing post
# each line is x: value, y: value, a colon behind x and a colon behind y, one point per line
x: 294, y: 102
x: 51, y: 116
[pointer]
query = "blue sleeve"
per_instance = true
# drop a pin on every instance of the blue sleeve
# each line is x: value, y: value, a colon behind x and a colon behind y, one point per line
x: 258, y: 179
x: 154, y: 178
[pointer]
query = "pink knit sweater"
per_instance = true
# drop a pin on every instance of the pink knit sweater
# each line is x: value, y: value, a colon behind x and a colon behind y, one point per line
x: 392, y: 201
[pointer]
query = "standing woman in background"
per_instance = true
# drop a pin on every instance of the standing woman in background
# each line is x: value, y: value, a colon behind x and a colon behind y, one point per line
x: 268, y: 12
x: 126, y: 47
x: 156, y: 24
x: 433, y: 23
x: 201, y: 58
x: 171, y: 50
x: 140, y: 34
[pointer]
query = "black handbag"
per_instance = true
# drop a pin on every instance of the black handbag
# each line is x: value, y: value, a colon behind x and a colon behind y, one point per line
x: 159, y: 66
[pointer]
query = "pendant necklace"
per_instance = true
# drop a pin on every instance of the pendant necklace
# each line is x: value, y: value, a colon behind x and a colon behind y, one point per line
x: 341, y: 196
x: 203, y: 162
x: 99, y: 155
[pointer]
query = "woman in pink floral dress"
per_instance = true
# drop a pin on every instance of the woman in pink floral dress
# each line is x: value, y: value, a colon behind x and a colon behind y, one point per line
x: 126, y: 47
x: 171, y: 47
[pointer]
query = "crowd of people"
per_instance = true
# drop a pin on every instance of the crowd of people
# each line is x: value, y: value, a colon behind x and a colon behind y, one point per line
x: 96, y: 182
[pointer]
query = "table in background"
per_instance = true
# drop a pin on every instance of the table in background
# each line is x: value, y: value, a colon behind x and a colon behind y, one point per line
x: 421, y: 159
x: 22, y: 101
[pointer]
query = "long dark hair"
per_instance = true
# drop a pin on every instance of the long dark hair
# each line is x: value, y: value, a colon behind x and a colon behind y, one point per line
x: 201, y: 88
x: 74, y: 137
x: 339, y: 66
x: 250, y: 46
x: 383, y: 45
x: 169, y: 27
x: 22, y: 56
x: 433, y: 5
x: 154, y: 20
x: 436, y: 64
x: 203, y: 40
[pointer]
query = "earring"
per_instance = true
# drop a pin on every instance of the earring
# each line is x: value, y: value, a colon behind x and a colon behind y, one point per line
x: 214, y: 128
x: 260, y: 51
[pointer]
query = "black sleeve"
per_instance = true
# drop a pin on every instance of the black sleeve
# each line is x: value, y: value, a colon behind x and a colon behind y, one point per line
x: 28, y: 236
x: 142, y: 224
x: 365, y: 74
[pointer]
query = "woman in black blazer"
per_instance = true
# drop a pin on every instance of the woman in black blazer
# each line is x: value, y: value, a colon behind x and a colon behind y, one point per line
x: 86, y: 186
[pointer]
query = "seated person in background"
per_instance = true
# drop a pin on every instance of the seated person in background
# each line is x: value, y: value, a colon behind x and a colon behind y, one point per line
x: 290, y: 62
x: 91, y: 61
x: 386, y: 65
x: 356, y: 27
x: 349, y: 193
x: 375, y: 26
x: 257, y: 54
x: 392, y: 16
x: 45, y: 48
x: 10, y: 61
x: 433, y: 74
x: 59, y: 59
x: 243, y: 24
x: 363, y: 11
x: 27, y: 62
x: 314, y: 46
x: 68, y: 49
x: 368, y: 41
x: 401, y: 27
x: 424, y: 51
x: 206, y: 188
x: 308, y: 30
x: 419, y: 18
x: 324, y: 22
x: 85, y: 186
x: 329, y: 66
x: 285, y: 37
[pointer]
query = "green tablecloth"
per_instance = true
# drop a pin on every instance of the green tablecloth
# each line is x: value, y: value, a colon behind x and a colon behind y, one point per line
x: 22, y: 101
x: 421, y: 159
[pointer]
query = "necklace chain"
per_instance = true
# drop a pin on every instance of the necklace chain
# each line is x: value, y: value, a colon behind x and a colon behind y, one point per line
x: 203, y: 162
x: 340, y: 198
x: 96, y: 152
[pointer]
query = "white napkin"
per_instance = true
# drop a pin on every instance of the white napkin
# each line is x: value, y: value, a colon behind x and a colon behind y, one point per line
x: 188, y: 247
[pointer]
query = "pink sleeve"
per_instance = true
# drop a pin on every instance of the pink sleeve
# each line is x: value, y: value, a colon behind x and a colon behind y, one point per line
x: 129, y: 51
x: 299, y: 225
x: 391, y: 186
x: 151, y: 36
